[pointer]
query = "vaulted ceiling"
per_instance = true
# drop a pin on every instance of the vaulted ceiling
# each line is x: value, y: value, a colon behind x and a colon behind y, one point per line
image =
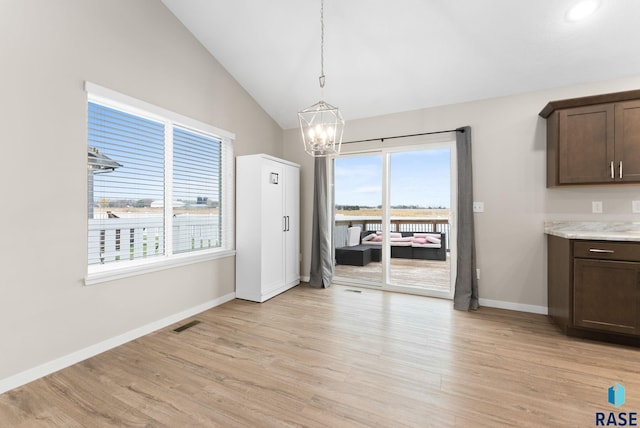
x: 385, y: 56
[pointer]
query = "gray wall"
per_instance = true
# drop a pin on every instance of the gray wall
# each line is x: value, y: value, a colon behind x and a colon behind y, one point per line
x: 47, y: 50
x: 509, y: 155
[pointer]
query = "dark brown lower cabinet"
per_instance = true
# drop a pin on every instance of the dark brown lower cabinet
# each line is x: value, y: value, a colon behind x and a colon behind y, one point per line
x: 594, y: 288
x: 605, y: 295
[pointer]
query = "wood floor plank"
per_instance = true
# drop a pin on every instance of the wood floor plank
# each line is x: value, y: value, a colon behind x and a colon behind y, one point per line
x: 334, y: 358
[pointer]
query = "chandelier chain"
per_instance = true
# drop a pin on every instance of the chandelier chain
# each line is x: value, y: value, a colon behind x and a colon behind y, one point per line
x: 322, y: 43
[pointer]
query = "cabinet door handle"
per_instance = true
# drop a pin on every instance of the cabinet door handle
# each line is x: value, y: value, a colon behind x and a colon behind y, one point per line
x: 620, y: 169
x: 612, y: 176
x: 288, y: 223
x: 284, y: 223
x: 597, y: 250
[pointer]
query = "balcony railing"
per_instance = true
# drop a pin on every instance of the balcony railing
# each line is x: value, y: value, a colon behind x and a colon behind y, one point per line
x: 398, y: 224
x: 115, y: 239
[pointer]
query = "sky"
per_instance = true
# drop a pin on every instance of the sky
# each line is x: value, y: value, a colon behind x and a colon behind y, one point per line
x: 417, y: 178
x: 138, y: 144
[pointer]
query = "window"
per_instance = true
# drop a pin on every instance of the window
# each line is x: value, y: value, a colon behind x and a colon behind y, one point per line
x: 159, y: 187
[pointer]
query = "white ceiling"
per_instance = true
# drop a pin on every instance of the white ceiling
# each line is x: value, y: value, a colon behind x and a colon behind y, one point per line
x: 384, y: 56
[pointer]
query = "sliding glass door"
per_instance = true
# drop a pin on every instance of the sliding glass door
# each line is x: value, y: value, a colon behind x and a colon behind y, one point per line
x: 358, y: 203
x: 394, y: 215
x: 420, y: 210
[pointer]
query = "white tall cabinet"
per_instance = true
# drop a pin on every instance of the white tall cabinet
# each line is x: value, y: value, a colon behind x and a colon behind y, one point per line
x: 267, y: 226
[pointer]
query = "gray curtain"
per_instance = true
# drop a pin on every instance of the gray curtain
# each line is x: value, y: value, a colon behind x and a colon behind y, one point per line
x: 465, y: 296
x: 321, y: 249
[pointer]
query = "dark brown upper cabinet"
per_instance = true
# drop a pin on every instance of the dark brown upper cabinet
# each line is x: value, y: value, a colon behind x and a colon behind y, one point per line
x: 593, y: 140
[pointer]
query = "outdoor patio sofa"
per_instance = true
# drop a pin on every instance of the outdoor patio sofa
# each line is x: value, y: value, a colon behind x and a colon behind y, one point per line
x: 411, y: 245
x: 366, y: 247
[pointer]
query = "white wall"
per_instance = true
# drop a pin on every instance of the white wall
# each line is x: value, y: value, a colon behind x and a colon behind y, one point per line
x: 509, y: 173
x: 47, y: 50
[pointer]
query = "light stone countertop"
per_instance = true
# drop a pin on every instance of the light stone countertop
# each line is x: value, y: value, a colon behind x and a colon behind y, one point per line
x: 603, y: 231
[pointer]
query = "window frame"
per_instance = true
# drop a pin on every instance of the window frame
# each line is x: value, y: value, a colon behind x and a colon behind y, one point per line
x: 110, y: 271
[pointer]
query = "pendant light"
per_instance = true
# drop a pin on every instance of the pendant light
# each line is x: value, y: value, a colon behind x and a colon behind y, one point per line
x: 321, y: 124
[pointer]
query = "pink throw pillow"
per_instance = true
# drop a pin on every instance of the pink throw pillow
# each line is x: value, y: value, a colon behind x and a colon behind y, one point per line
x: 377, y: 238
x: 420, y: 240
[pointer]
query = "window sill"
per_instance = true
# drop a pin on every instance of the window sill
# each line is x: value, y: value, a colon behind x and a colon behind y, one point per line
x: 99, y: 274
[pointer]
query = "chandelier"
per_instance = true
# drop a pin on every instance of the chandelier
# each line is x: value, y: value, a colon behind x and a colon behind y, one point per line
x: 321, y: 124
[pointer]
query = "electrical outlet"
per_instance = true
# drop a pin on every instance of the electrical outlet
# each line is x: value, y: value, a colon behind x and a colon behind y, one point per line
x: 478, y: 207
x: 635, y: 207
x: 477, y: 273
x: 596, y: 207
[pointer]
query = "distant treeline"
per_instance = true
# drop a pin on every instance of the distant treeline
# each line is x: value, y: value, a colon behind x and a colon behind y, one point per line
x: 146, y: 203
x: 395, y: 207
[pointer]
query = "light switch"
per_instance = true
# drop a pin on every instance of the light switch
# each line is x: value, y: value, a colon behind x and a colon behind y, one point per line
x: 478, y: 207
x: 596, y: 207
x: 635, y: 207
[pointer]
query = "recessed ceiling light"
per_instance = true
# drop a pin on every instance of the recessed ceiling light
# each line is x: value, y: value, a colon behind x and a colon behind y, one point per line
x: 582, y: 9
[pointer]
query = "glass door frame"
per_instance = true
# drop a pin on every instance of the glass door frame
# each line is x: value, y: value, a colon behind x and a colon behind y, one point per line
x: 385, y: 152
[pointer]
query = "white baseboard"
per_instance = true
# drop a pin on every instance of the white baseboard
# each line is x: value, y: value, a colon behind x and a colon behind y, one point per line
x: 75, y: 357
x: 542, y: 310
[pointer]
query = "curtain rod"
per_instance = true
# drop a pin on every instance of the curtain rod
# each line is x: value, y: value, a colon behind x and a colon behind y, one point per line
x: 381, y: 139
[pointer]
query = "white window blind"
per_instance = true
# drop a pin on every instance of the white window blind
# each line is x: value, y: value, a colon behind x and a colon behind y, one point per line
x: 160, y: 185
x: 125, y: 185
x: 196, y: 191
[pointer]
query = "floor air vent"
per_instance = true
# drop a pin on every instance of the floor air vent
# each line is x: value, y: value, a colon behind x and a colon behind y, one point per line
x: 353, y: 291
x: 186, y: 326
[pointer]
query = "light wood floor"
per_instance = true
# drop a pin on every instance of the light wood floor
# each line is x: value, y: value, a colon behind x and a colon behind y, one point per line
x: 338, y: 358
x: 434, y: 275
